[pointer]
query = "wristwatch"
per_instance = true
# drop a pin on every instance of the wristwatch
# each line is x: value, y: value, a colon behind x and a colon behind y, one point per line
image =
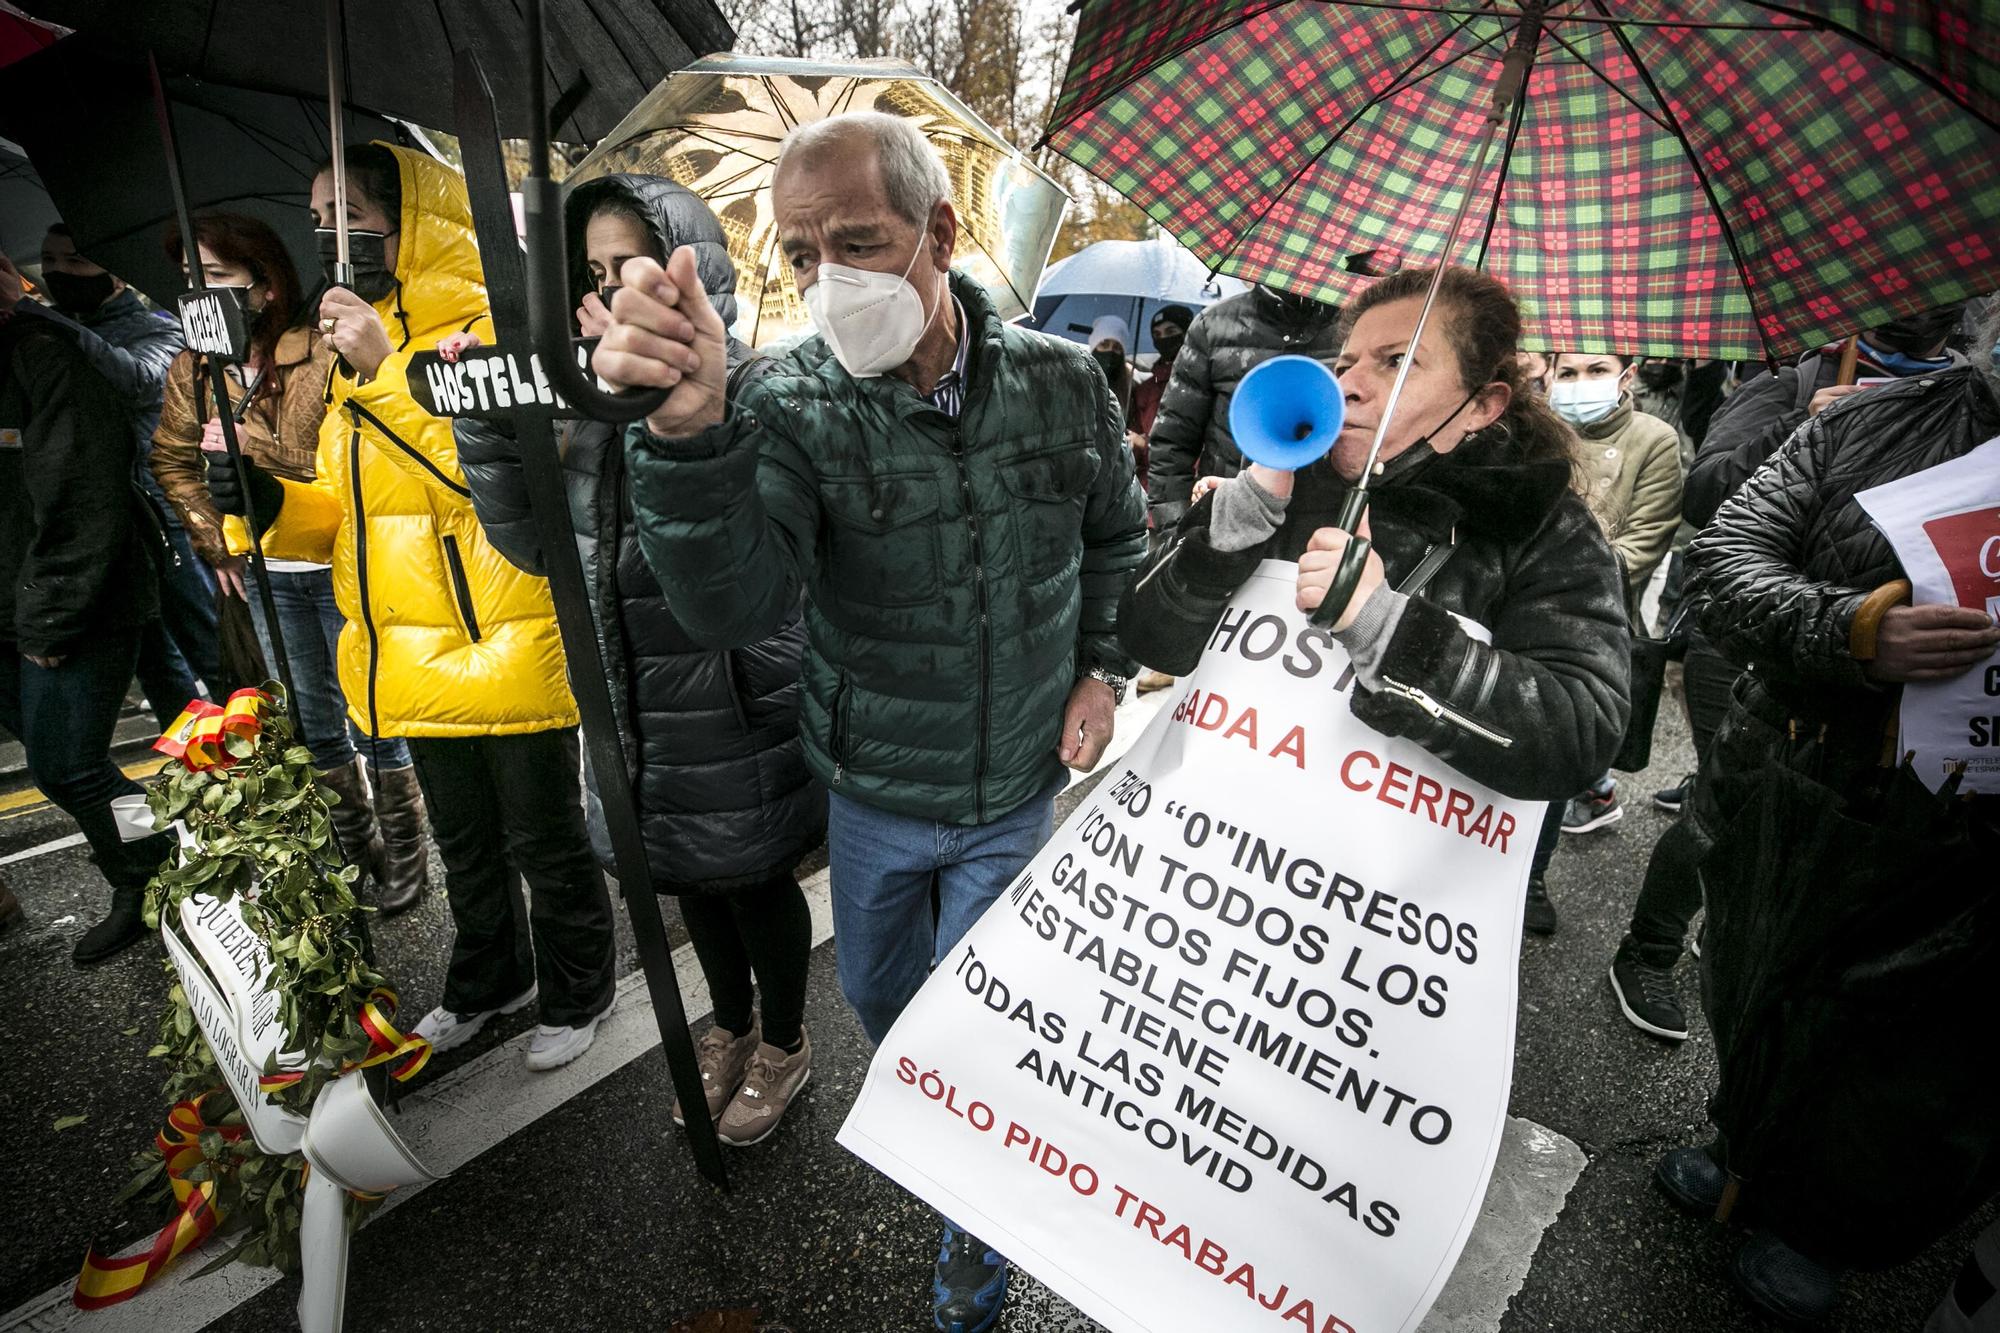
x: 1115, y: 681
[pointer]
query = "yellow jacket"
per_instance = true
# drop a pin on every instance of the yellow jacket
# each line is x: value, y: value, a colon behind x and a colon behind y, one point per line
x: 443, y: 637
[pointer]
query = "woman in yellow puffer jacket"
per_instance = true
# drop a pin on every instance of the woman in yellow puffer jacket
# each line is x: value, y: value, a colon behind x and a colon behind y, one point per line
x: 446, y: 644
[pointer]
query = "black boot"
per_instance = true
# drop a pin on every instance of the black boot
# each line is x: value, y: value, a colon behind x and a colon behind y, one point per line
x: 1539, y: 917
x: 399, y: 809
x: 11, y: 914
x: 1692, y: 1179
x: 1784, y: 1283
x: 124, y: 926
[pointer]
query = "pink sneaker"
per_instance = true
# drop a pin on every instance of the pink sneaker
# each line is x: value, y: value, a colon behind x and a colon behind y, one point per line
x: 773, y: 1080
x: 722, y: 1059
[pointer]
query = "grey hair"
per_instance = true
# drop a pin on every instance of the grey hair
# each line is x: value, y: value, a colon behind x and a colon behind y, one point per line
x: 1986, y: 347
x: 913, y: 176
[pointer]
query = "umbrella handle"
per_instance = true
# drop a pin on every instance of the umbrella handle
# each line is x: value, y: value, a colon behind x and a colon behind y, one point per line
x: 1353, y: 560
x: 548, y: 313
x: 1866, y: 628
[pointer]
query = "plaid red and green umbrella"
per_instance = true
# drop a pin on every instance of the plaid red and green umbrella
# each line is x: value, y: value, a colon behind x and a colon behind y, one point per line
x: 1726, y: 178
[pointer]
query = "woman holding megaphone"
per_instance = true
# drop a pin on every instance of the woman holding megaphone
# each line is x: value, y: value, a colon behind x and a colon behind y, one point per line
x: 1471, y: 513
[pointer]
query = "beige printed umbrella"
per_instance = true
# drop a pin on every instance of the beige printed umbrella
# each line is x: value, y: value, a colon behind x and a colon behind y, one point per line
x: 715, y: 127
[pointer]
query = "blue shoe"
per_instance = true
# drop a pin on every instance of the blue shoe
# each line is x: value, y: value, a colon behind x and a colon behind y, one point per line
x: 970, y: 1285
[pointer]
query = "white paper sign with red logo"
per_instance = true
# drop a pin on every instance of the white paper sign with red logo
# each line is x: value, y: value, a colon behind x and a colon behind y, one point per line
x: 1944, y: 524
x: 1234, y: 1051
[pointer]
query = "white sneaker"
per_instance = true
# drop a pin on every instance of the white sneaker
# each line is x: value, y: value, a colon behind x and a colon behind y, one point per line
x: 552, y: 1048
x: 446, y: 1031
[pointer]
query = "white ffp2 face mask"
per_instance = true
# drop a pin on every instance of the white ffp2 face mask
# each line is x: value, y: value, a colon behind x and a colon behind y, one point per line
x: 872, y: 321
x: 1584, y: 402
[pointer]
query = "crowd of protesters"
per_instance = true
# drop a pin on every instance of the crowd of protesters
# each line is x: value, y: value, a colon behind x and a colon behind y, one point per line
x: 880, y: 591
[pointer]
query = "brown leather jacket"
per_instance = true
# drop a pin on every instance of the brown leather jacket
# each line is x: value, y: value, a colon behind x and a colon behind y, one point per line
x: 280, y: 433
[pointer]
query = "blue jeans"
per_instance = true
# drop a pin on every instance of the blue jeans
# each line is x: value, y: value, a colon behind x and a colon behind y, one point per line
x: 64, y: 717
x: 883, y: 867
x: 311, y: 623
x: 183, y: 646
x: 181, y: 651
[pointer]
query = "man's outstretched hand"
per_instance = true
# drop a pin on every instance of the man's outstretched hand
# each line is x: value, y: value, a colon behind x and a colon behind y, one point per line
x: 665, y: 334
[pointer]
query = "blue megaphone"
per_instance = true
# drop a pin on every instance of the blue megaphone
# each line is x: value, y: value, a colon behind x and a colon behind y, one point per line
x: 1287, y: 412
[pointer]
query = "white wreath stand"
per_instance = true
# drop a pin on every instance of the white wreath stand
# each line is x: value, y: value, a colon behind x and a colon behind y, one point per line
x: 347, y: 1142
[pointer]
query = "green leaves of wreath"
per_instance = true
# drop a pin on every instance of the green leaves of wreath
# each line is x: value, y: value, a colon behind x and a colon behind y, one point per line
x: 262, y: 820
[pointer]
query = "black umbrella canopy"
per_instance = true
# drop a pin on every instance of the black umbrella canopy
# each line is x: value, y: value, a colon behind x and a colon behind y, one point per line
x: 85, y: 115
x: 25, y: 208
x: 602, y: 55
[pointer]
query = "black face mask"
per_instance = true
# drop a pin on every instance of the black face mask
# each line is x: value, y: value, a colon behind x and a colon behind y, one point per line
x: 75, y: 294
x: 1113, y: 366
x: 1659, y: 374
x: 1917, y: 335
x: 251, y: 309
x: 1168, y: 347
x: 373, y: 278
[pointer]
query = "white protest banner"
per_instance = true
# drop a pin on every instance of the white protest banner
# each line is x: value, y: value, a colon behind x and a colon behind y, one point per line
x: 1944, y: 524
x: 1234, y: 1050
x: 226, y: 981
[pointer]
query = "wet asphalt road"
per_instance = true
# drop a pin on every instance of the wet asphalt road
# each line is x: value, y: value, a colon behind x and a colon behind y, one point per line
x: 593, y: 1218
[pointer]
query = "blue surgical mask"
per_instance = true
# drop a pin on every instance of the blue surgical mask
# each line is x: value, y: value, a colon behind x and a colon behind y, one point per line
x: 1585, y: 402
x: 1901, y: 363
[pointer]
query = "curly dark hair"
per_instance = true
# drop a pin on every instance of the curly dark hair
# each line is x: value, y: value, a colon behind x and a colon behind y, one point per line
x: 1483, y: 322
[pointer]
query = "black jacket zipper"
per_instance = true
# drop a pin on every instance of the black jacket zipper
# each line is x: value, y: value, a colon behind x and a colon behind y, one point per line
x: 979, y: 586
x: 364, y: 414
x: 361, y: 570
x: 460, y: 587
x: 840, y: 704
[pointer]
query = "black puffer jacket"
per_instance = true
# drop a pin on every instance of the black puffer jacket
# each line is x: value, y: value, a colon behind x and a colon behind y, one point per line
x: 1895, y: 1141
x: 1753, y: 422
x: 1531, y: 565
x: 1787, y: 561
x: 1226, y: 341
x: 724, y: 796
x: 73, y: 530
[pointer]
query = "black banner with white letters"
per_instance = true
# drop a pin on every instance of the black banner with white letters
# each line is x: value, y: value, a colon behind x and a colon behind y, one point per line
x: 213, y: 323
x: 489, y: 383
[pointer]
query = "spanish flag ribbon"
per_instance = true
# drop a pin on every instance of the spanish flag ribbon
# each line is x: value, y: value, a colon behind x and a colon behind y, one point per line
x: 105, y: 1281
x: 196, y: 737
x: 385, y: 1043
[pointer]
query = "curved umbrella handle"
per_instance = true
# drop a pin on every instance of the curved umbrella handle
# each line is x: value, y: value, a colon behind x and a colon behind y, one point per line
x: 548, y: 313
x: 1353, y: 560
x: 1345, y: 580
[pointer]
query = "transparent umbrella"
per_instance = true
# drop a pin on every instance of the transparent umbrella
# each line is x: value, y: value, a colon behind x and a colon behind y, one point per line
x: 716, y: 125
x: 1129, y: 279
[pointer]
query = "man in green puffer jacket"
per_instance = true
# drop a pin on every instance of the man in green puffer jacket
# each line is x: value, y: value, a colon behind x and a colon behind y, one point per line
x: 956, y: 501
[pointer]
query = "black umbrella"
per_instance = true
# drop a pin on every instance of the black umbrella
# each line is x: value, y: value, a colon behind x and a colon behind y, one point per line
x: 600, y: 60
x: 25, y: 208
x: 84, y: 112
x: 1849, y: 923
